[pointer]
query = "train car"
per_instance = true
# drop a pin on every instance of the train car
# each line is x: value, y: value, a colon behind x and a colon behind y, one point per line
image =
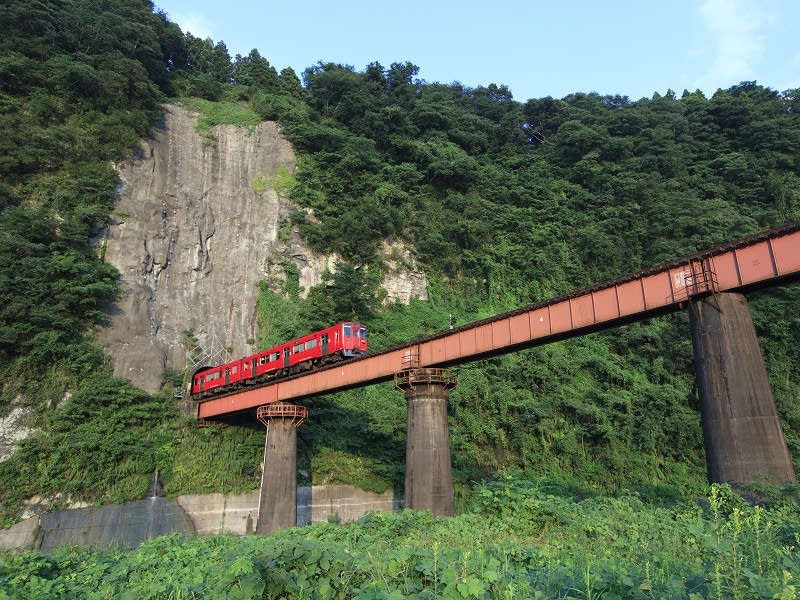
x: 341, y: 341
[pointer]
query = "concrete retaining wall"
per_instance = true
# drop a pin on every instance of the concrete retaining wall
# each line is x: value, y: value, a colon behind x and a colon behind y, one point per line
x: 21, y: 536
x: 222, y: 513
x: 129, y: 524
x: 341, y: 503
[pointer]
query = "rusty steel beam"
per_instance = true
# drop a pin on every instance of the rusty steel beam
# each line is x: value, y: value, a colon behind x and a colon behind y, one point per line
x: 759, y: 261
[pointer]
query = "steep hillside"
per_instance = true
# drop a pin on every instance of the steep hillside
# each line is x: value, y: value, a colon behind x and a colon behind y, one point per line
x: 498, y: 204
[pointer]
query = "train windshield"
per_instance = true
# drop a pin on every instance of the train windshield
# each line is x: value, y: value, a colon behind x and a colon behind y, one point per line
x: 363, y: 333
x: 348, y: 331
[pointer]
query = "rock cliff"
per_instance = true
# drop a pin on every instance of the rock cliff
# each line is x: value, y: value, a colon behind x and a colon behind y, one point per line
x: 12, y: 430
x: 194, y: 230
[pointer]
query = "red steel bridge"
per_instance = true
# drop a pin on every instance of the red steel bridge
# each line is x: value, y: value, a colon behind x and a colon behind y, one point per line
x: 763, y: 260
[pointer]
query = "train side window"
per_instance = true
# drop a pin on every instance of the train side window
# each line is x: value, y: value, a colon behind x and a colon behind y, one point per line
x: 262, y: 360
x: 297, y: 348
x: 311, y: 344
x: 348, y: 331
x: 245, y: 367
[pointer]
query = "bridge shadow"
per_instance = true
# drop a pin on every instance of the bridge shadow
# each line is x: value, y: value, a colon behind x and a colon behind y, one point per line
x: 343, y: 441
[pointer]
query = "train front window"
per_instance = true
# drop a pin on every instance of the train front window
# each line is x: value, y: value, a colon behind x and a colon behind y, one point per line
x: 363, y: 333
x: 348, y: 331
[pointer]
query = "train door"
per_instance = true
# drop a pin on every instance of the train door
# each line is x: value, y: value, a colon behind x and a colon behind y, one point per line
x: 286, y: 357
x: 324, y: 342
x: 362, y: 338
x: 227, y: 375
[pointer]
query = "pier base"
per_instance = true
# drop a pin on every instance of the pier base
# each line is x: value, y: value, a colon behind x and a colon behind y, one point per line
x: 743, y: 437
x: 429, y: 475
x: 277, y: 506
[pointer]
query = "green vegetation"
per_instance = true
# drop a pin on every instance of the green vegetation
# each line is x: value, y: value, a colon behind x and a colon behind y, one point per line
x: 509, y: 203
x: 101, y: 445
x: 260, y: 184
x: 283, y: 183
x: 503, y: 203
x: 211, y: 114
x: 519, y: 539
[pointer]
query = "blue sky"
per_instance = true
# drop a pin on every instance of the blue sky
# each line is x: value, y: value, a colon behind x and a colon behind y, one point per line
x: 537, y: 48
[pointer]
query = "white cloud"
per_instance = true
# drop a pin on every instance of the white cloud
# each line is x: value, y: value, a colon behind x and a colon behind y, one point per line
x: 735, y: 27
x: 194, y: 23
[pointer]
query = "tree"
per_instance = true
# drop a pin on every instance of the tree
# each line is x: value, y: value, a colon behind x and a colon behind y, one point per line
x: 255, y: 71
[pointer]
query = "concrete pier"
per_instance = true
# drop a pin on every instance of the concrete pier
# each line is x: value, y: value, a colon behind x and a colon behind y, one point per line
x: 429, y: 475
x: 277, y: 506
x: 743, y: 437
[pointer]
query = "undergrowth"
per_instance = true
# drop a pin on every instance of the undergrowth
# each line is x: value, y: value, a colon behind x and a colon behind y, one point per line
x: 520, y: 539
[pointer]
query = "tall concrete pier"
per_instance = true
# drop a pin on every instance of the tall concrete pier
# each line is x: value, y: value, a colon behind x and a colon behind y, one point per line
x: 277, y: 506
x: 429, y: 475
x: 743, y: 436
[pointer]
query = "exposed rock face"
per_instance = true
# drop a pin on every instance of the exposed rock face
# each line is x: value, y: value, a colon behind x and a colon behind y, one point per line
x: 403, y: 279
x: 191, y: 238
x: 12, y: 430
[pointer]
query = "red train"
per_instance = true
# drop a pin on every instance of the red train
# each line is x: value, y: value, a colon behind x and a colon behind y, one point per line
x: 329, y: 345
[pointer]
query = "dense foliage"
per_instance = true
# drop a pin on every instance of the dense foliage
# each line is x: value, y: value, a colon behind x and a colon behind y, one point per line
x: 509, y: 203
x: 502, y: 203
x: 519, y: 540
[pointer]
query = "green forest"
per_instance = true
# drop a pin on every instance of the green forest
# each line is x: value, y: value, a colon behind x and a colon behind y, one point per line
x: 504, y: 202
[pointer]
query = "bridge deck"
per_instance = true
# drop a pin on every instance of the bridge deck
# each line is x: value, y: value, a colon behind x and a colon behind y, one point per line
x: 759, y: 261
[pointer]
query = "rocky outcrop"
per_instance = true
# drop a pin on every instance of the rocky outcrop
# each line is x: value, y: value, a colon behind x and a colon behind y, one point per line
x: 191, y: 238
x: 403, y: 279
x: 195, y: 228
x: 12, y: 430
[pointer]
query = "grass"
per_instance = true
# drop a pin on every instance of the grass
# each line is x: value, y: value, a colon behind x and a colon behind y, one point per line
x: 211, y: 114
